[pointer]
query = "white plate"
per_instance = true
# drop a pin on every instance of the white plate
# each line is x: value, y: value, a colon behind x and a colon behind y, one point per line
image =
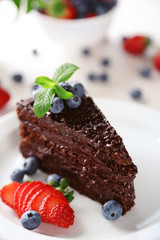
x: 139, y: 127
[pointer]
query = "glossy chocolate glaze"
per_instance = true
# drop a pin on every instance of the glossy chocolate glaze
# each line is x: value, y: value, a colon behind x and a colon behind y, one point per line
x: 81, y: 145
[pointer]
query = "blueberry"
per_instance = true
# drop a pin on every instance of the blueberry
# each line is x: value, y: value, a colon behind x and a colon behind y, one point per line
x: 74, y: 102
x: 58, y: 105
x: 30, y: 220
x: 78, y: 89
x: 36, y: 89
x: 92, y: 77
x: 86, y: 51
x: 105, y: 62
x: 66, y: 86
x: 145, y: 72
x: 17, y: 175
x: 100, y: 10
x: 35, y: 52
x: 17, y: 78
x: 54, y: 178
x: 112, y: 210
x: 111, y: 4
x: 103, y: 77
x: 30, y: 166
x: 136, y: 94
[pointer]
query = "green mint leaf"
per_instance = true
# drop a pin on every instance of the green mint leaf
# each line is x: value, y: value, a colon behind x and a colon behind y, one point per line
x: 64, y: 72
x: 69, y: 196
x: 44, y: 82
x: 53, y: 184
x: 62, y: 93
x: 43, y: 101
x: 17, y: 2
x: 64, y: 183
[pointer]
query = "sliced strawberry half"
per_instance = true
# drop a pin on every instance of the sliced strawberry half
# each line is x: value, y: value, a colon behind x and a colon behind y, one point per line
x: 18, y: 210
x: 37, y: 199
x: 17, y: 194
x: 62, y: 215
x: 48, y: 203
x: 25, y: 191
x: 31, y: 192
x: 8, y: 192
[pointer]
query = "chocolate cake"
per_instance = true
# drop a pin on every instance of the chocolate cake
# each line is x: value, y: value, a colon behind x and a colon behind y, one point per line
x: 80, y: 144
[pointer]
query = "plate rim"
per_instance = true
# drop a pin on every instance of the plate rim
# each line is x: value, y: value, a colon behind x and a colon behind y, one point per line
x: 145, y: 110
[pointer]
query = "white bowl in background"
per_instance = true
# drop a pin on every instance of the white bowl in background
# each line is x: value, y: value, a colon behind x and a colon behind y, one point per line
x: 76, y: 32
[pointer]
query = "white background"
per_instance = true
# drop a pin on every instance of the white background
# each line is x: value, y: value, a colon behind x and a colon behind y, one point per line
x: 19, y: 37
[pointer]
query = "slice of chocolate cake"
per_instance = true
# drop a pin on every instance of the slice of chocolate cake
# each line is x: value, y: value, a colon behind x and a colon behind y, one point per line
x: 80, y: 144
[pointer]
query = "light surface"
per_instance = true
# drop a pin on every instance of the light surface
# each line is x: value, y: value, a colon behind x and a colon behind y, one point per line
x: 19, y: 37
x: 141, y: 134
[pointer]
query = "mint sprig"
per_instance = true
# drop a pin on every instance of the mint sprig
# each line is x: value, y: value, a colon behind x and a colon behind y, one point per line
x: 31, y: 4
x: 44, y: 98
x: 64, y: 188
x: 64, y: 72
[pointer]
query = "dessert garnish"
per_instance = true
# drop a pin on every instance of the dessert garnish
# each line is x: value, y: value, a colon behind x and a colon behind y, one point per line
x: 51, y: 87
x: 48, y: 204
x: 4, y: 97
x: 29, y: 168
x: 69, y: 9
x: 136, y: 44
x: 156, y: 61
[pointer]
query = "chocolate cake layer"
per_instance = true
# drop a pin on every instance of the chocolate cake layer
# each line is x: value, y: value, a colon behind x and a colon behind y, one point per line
x: 80, y: 144
x: 55, y: 156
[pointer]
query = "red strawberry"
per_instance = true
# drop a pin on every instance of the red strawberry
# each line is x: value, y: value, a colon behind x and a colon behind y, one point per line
x: 37, y: 199
x: 136, y: 45
x: 91, y: 14
x: 25, y: 191
x: 62, y: 215
x: 4, y: 97
x: 7, y: 193
x: 48, y: 203
x: 156, y: 61
x: 31, y: 192
x: 17, y: 194
x: 43, y: 198
x: 69, y: 13
x: 61, y: 9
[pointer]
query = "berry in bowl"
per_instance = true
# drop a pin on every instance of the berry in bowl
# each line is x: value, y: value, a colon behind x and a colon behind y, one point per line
x: 74, y: 22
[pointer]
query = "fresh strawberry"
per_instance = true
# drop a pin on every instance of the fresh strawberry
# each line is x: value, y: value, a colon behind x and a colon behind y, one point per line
x: 91, y: 14
x: 156, y: 61
x: 17, y: 194
x: 31, y: 192
x: 7, y: 193
x: 4, y: 97
x: 136, y: 45
x: 60, y: 9
x: 37, y: 199
x: 62, y: 215
x: 48, y: 203
x: 25, y: 191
